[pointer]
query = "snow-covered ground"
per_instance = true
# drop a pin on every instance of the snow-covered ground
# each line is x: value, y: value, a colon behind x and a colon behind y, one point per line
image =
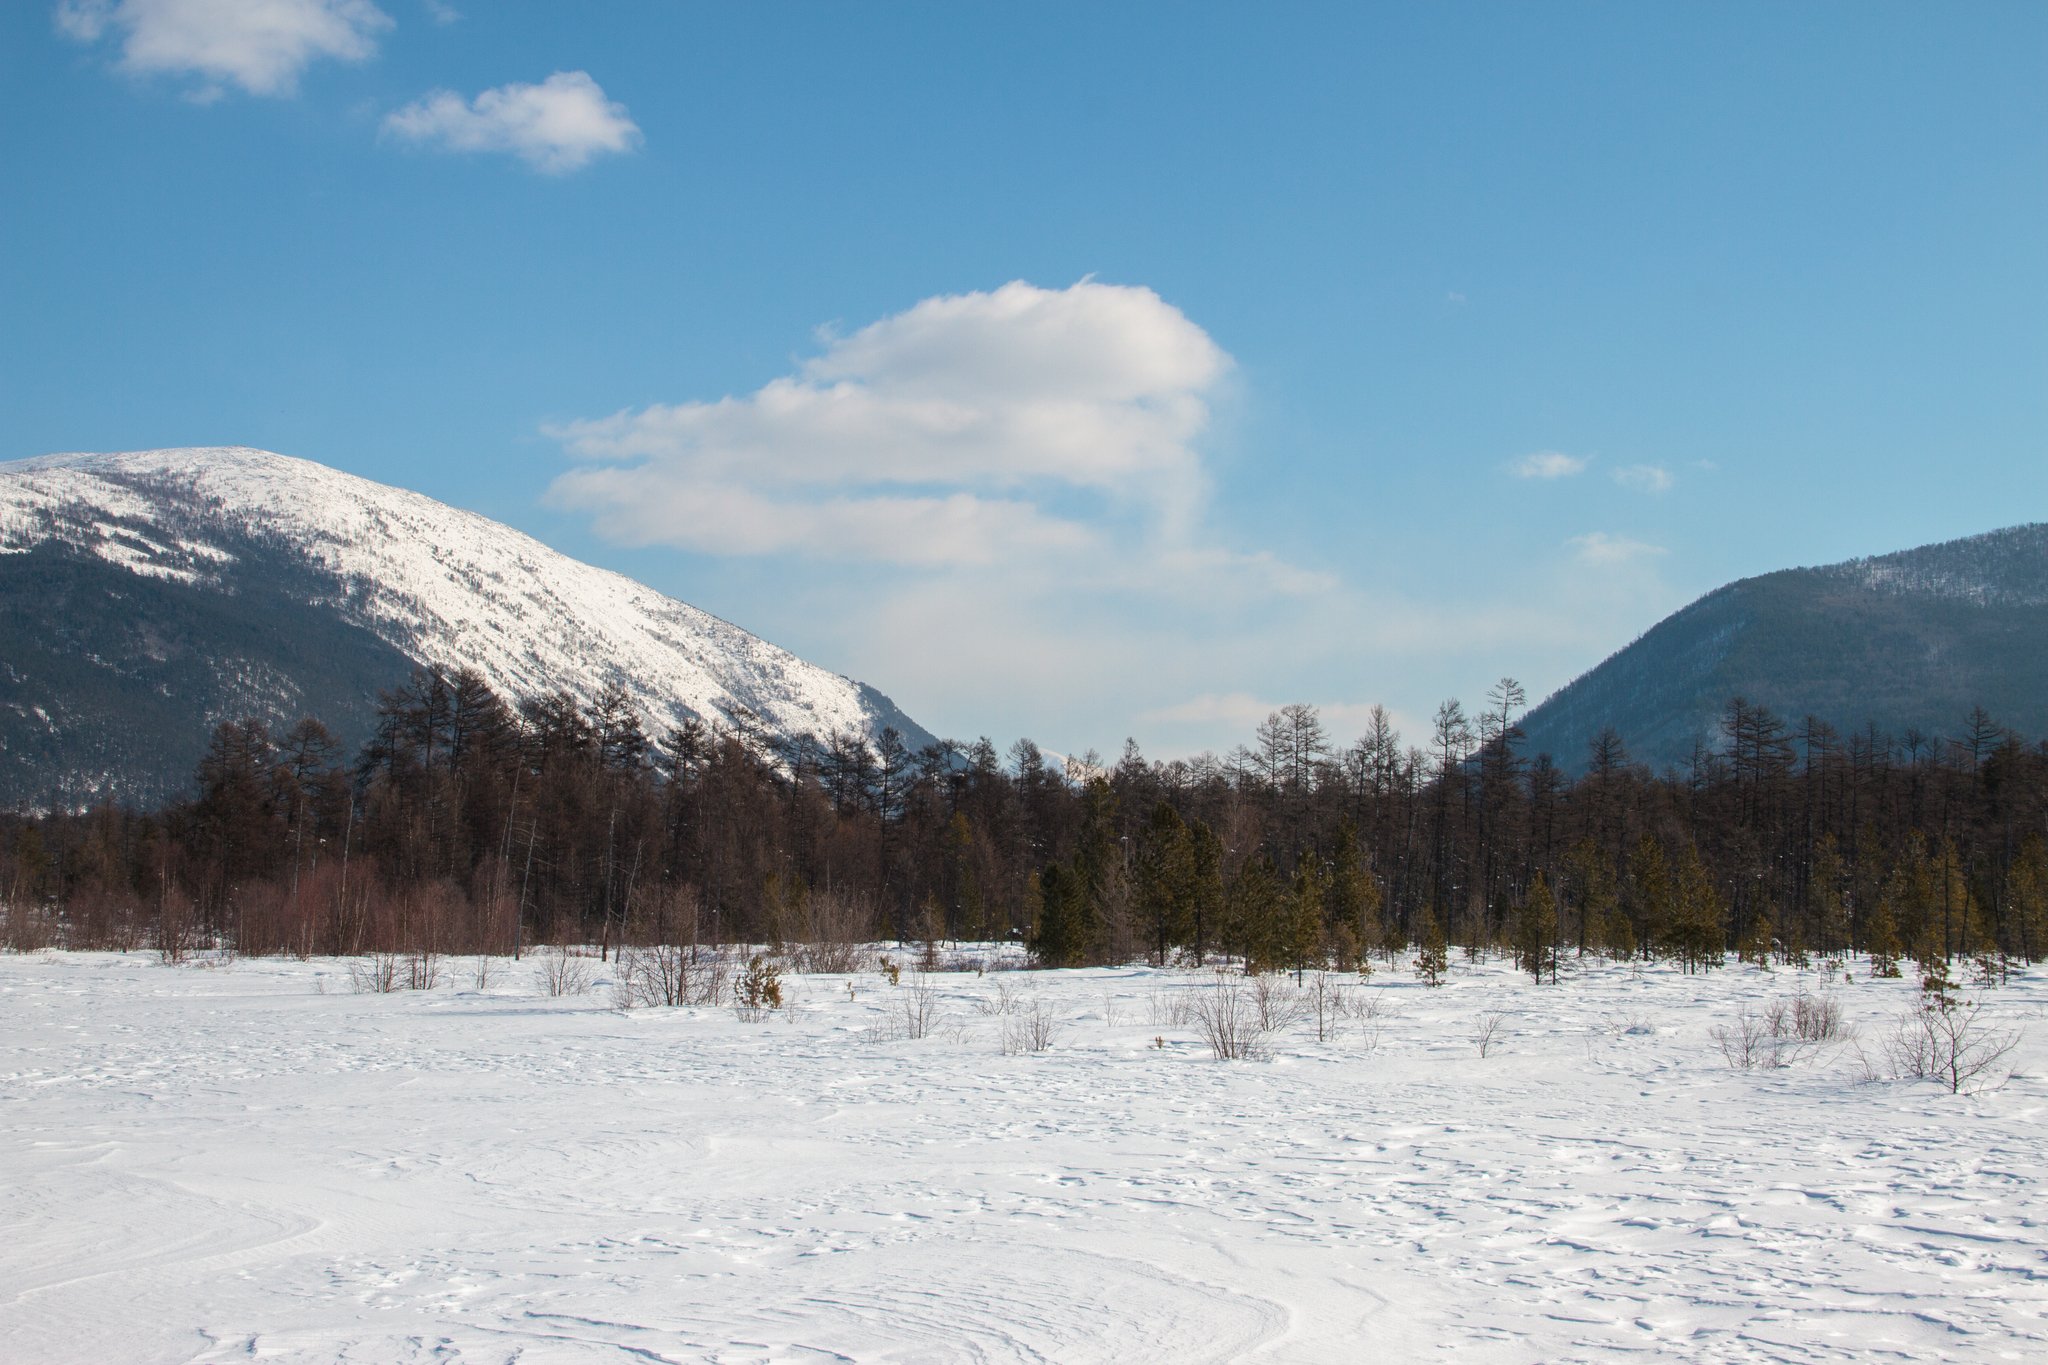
x: 215, y: 1163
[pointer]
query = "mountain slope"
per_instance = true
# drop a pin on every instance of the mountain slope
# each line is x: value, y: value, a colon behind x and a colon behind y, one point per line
x: 1908, y: 640
x: 146, y: 596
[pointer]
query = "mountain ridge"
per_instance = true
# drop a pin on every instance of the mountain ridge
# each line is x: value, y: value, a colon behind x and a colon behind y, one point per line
x: 430, y: 582
x: 1912, y: 639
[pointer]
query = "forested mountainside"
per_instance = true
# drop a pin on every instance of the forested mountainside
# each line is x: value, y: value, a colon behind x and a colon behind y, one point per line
x: 1909, y: 641
x: 146, y: 597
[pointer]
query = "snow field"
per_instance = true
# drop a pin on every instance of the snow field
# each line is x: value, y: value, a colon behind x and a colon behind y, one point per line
x: 214, y: 1163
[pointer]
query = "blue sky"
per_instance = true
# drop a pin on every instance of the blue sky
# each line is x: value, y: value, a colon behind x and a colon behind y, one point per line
x: 1076, y: 371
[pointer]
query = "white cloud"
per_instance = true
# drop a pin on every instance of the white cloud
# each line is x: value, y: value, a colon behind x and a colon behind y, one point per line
x: 997, y: 507
x: 1601, y: 548
x: 259, y: 45
x: 1549, y: 464
x: 557, y: 125
x: 935, y: 437
x: 1644, y: 478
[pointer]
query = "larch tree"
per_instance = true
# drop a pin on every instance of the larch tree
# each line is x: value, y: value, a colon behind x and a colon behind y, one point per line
x: 1536, y: 932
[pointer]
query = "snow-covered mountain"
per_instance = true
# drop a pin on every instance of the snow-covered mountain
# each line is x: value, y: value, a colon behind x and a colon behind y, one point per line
x: 358, y: 569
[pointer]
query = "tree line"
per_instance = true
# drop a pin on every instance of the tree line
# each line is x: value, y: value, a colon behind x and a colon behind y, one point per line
x: 470, y: 823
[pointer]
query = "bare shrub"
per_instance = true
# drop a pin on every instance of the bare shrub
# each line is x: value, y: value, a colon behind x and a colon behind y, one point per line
x: 30, y: 929
x: 831, y: 959
x: 376, y: 974
x: 912, y: 1013
x: 1031, y: 1028
x: 1634, y: 1023
x: 99, y: 919
x: 1228, y: 1015
x: 885, y: 1028
x: 1747, y: 1044
x: 1170, y: 1007
x: 1111, y: 1015
x: 564, y: 971
x: 650, y: 976
x: 1818, y: 1019
x: 1948, y: 1041
x: 1278, y: 1003
x: 1004, y: 1002
x: 422, y: 970
x: 1486, y: 1031
x: 1324, y: 1004
x: 669, y: 974
x: 918, y: 1006
x: 833, y: 934
x: 1373, y: 1010
x: 485, y: 972
x: 1786, y: 1030
x: 177, y: 926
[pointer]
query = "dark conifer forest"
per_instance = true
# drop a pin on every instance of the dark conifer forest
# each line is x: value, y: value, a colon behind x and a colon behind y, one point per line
x: 476, y: 825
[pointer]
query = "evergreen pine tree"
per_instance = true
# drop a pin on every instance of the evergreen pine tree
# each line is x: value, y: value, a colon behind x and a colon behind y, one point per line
x: 1833, y: 921
x: 1353, y: 898
x: 1433, y: 957
x: 1695, y: 934
x: 1205, y: 887
x: 1536, y: 933
x: 1881, y: 939
x: 1165, y: 875
x: 1257, y: 914
x: 1755, y: 945
x: 1062, y: 935
x: 1600, y: 922
x: 1305, y: 931
x: 2026, y: 898
x: 1650, y: 889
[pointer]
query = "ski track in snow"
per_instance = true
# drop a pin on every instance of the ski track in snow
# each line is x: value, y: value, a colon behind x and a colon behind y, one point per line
x: 215, y: 1164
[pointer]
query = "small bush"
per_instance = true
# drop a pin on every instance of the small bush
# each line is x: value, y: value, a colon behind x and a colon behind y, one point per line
x: 376, y: 974
x: 913, y: 1014
x: 422, y: 971
x: 1947, y: 1041
x: 1486, y: 1034
x: 1170, y: 1007
x: 1004, y: 1002
x: 669, y: 974
x: 830, y: 959
x: 564, y: 972
x: 1030, y: 1029
x: 1786, y: 1030
x: 758, y: 990
x: 1279, y: 1005
x: 1228, y: 1015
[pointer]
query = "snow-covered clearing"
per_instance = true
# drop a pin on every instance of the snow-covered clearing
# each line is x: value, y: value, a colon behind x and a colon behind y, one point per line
x: 204, y: 1164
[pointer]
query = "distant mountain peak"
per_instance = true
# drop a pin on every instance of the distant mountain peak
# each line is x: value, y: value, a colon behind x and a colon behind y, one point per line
x: 1912, y: 639
x: 434, y: 583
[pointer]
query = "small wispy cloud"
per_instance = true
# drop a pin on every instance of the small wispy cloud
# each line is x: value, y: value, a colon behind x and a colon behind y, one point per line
x: 1598, y: 547
x: 441, y: 12
x: 1549, y: 464
x: 259, y: 45
x: 556, y: 126
x: 1644, y: 478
